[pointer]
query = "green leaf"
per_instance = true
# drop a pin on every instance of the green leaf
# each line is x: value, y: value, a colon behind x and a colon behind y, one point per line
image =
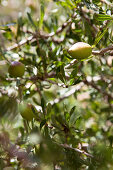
x: 58, y: 63
x: 34, y: 43
x: 102, y: 33
x: 41, y: 13
x: 102, y: 17
x: 5, y: 29
x: 74, y: 73
x: 61, y: 73
x: 43, y: 103
x: 99, y: 36
x: 74, y: 118
x: 20, y: 25
x: 31, y: 20
x: 67, y: 116
x: 75, y: 80
x: 72, y: 110
x: 49, y: 107
x: 43, y: 122
x: 67, y: 3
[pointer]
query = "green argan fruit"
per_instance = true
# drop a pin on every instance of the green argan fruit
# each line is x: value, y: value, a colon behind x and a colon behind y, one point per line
x: 16, y: 69
x: 26, y: 111
x: 80, y: 50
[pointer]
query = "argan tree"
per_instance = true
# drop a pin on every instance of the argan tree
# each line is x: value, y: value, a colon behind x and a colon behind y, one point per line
x: 56, y: 94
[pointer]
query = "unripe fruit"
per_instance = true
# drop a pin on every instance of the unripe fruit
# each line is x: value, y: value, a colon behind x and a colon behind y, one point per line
x: 16, y: 69
x: 80, y: 50
x: 26, y: 111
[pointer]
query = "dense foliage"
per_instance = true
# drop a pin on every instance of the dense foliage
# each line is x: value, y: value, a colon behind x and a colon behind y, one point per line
x: 71, y: 101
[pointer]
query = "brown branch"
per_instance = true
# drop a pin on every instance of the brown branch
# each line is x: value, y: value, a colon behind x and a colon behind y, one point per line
x: 107, y: 3
x: 43, y: 35
x: 104, y: 93
x: 103, y: 50
x: 58, y: 84
x: 67, y: 94
x: 86, y: 17
x: 21, y: 43
x: 60, y: 29
x: 73, y: 62
x: 76, y: 150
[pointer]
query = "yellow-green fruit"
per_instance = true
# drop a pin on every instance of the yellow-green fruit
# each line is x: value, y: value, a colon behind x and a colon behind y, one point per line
x: 80, y: 50
x: 26, y: 111
x: 16, y: 69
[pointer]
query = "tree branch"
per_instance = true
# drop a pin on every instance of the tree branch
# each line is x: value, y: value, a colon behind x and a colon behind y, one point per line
x: 104, y: 93
x: 21, y: 43
x: 103, y: 50
x: 67, y: 94
x: 107, y: 3
x: 43, y: 35
x: 77, y: 150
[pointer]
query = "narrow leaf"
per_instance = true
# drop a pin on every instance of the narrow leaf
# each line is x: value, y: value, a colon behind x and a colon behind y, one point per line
x: 31, y: 20
x: 102, y: 17
x: 74, y: 118
x: 99, y: 36
x: 41, y: 14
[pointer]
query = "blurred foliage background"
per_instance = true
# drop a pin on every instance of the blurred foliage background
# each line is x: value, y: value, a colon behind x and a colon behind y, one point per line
x: 72, y: 100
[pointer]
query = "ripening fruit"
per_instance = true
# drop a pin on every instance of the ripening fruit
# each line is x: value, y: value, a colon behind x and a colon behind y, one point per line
x: 80, y: 50
x: 16, y: 69
x: 26, y: 111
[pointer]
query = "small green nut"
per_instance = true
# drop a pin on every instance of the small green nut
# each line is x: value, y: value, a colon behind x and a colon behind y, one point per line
x: 26, y: 111
x: 16, y: 69
x: 80, y: 50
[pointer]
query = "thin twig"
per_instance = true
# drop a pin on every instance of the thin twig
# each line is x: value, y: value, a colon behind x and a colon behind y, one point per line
x: 43, y: 35
x: 86, y: 17
x: 107, y: 3
x: 77, y: 150
x: 103, y: 50
x: 67, y: 94
x: 58, y: 84
x: 104, y: 93
x: 21, y: 43
x: 73, y: 62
